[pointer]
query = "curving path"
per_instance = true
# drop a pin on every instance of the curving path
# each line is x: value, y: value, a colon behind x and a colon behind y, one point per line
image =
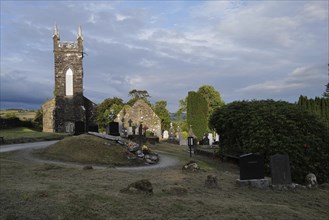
x: 26, y: 148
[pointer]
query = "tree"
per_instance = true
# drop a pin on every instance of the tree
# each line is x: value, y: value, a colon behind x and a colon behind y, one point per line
x: 326, y: 93
x: 38, y: 119
x: 197, y: 110
x: 138, y: 94
x: 317, y: 106
x: 160, y: 108
x: 212, y: 96
x: 182, y: 108
x: 103, y: 110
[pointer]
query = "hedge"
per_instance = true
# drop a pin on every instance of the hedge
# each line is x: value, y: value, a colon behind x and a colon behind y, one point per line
x: 269, y: 127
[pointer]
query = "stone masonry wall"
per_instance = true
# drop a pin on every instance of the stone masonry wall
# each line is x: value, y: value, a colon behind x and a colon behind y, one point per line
x: 48, y: 109
x: 141, y: 111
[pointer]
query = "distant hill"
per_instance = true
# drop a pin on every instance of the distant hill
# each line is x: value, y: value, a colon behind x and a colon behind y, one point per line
x: 22, y: 114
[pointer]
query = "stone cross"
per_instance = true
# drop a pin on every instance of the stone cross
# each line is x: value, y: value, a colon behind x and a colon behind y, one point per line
x: 130, y: 121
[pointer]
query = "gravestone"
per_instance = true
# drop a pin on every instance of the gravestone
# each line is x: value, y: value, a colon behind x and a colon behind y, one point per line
x: 182, y: 141
x: 114, y: 129
x: 251, y: 166
x: 130, y: 131
x: 217, y: 137
x: 205, y: 140
x: 211, y: 138
x: 280, y: 169
x: 165, y: 134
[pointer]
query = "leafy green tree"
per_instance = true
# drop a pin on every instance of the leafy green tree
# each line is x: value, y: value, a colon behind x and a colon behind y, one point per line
x: 138, y: 94
x: 269, y: 127
x: 197, y: 110
x: 160, y: 108
x: 104, y: 109
x: 326, y: 93
x: 212, y: 96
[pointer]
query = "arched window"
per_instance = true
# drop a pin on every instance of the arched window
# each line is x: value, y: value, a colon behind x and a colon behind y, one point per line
x: 69, y: 82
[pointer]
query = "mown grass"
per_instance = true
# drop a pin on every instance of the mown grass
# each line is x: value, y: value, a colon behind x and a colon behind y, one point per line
x: 88, y: 149
x: 41, y: 191
x: 22, y: 134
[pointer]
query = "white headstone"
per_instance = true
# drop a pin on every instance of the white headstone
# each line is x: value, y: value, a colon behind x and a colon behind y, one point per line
x: 217, y: 137
x: 211, y: 139
x: 165, y: 134
x: 130, y: 131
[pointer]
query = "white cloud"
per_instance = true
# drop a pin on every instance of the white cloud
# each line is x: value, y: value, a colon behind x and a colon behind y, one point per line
x: 301, y: 78
x: 243, y: 48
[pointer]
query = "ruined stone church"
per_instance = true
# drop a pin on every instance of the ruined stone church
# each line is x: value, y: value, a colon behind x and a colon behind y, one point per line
x: 69, y: 111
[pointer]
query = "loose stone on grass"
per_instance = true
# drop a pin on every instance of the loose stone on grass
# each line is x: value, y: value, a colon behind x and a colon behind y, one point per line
x: 191, y: 166
x: 140, y: 186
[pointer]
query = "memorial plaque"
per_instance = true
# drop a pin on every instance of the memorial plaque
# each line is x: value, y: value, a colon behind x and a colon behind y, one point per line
x: 251, y: 166
x: 280, y: 169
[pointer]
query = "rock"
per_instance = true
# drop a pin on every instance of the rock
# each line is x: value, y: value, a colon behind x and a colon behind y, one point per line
x: 141, y: 186
x: 211, y: 182
x: 149, y: 161
x: 175, y: 190
x: 191, y: 166
x: 154, y: 158
x: 310, y: 180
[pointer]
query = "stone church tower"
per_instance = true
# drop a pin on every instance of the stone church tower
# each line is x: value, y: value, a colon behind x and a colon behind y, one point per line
x: 69, y: 111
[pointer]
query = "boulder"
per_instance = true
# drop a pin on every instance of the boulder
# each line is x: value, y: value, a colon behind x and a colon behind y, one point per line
x: 191, y: 166
x: 310, y: 180
x: 140, y: 186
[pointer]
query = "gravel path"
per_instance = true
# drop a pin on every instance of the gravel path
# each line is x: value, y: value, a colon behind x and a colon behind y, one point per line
x: 24, y: 154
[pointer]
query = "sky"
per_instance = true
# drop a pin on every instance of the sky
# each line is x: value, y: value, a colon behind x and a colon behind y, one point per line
x: 244, y: 49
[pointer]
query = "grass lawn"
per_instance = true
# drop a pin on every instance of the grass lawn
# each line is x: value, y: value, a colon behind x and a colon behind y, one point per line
x: 88, y: 149
x: 20, y: 135
x: 31, y: 190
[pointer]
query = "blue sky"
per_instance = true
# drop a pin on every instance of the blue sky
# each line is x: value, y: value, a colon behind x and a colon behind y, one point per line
x: 245, y: 49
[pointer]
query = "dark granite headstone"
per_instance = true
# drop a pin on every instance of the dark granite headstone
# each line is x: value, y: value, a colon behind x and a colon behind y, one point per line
x: 251, y: 166
x: 280, y: 169
x: 114, y: 129
x: 93, y: 128
x: 79, y: 127
x: 206, y: 140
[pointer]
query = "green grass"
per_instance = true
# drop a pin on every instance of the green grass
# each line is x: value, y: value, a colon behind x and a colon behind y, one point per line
x: 88, y: 149
x: 22, y: 134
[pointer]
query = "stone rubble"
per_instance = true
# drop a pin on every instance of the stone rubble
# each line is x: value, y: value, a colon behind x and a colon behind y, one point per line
x: 145, y: 153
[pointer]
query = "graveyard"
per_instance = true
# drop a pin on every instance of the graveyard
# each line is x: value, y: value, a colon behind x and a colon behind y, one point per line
x: 249, y: 159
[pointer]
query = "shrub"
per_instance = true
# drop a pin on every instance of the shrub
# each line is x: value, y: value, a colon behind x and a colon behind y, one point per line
x: 269, y: 127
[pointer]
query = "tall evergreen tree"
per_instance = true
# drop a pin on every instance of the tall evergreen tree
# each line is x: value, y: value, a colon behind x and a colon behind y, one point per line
x: 197, y: 113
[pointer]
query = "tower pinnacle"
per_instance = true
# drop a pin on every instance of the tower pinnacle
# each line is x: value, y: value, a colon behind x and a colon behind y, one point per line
x: 56, y: 33
x: 79, y: 32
